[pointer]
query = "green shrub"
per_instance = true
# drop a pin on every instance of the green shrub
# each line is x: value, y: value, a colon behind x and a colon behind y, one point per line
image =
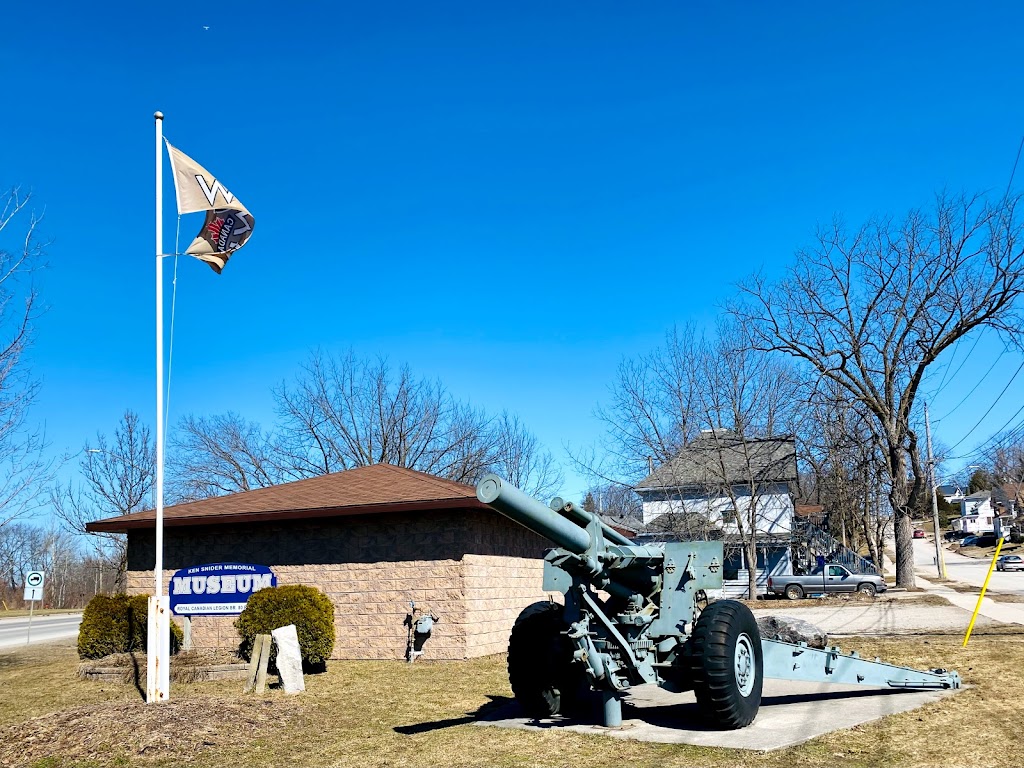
x: 118, y: 624
x: 309, y: 609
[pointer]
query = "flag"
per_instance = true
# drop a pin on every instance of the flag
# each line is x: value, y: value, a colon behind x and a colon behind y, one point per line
x: 228, y: 223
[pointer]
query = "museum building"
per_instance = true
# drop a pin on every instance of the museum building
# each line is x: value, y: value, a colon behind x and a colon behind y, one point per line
x: 374, y: 540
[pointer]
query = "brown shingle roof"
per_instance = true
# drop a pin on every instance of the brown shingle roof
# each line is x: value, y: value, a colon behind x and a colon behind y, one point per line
x: 379, y: 488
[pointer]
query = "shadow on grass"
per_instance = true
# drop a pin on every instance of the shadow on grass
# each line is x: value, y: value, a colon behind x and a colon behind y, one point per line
x: 486, y: 712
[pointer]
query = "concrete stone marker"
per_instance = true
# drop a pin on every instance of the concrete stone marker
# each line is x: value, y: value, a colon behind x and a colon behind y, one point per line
x: 289, y: 659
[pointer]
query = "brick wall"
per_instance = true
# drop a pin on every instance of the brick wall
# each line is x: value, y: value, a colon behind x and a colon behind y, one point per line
x: 473, y: 569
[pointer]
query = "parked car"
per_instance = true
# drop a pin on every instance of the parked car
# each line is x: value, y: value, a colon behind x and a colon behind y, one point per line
x: 1010, y: 563
x: 918, y: 534
x: 968, y: 541
x: 835, y: 578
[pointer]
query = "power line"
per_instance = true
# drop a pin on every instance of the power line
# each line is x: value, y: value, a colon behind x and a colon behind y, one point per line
x: 979, y: 449
x: 1010, y: 182
x: 997, y: 437
x: 962, y: 364
x: 1019, y: 368
x: 973, y: 389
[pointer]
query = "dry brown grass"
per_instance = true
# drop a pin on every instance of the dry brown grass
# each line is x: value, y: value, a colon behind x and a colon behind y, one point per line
x: 367, y: 714
x: 986, y: 553
x: 971, y: 589
x: 841, y: 600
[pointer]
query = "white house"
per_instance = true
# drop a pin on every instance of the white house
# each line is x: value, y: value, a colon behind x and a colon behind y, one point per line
x: 951, y: 492
x: 716, y: 479
x: 976, y: 513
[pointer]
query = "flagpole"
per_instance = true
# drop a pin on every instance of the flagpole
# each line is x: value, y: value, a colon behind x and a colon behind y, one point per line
x: 158, y: 645
x: 159, y: 492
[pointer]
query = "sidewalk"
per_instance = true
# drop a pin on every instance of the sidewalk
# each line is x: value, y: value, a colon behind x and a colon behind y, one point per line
x: 1006, y: 613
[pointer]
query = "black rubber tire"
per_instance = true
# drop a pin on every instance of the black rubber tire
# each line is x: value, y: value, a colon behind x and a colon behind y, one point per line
x: 727, y: 698
x: 867, y: 588
x: 794, y: 592
x: 544, y: 678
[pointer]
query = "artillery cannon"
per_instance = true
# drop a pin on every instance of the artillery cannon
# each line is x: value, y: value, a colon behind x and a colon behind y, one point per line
x: 636, y: 614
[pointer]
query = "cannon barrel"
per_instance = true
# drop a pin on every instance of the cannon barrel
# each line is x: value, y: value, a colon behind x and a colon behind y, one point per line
x: 569, y: 510
x: 530, y: 513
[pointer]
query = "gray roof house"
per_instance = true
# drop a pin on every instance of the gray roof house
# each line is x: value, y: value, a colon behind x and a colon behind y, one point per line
x: 721, y: 458
x: 716, y: 483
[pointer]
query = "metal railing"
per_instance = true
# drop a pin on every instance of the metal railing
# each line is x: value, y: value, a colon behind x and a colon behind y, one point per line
x: 821, y: 542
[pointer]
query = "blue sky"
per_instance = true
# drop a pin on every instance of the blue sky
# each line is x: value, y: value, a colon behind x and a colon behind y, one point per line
x: 509, y: 197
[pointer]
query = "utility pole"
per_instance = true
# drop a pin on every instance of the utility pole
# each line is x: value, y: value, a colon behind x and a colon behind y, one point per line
x: 939, y: 560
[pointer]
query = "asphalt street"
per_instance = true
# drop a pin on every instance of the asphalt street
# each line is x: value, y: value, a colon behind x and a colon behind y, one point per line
x: 15, y: 632
x: 968, y: 570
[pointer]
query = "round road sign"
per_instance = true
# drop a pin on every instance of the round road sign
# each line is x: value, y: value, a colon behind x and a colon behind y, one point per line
x: 34, y: 579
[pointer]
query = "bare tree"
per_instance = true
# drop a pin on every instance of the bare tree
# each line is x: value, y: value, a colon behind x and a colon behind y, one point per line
x: 519, y: 457
x: 655, y: 407
x: 344, y: 412
x: 693, y: 416
x: 116, y: 478
x: 748, y: 398
x: 845, y: 455
x: 873, y: 308
x: 215, y: 455
x: 24, y: 471
x: 71, y: 578
x: 615, y: 499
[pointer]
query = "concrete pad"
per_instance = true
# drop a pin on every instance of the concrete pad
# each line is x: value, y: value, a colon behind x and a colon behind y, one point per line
x: 791, y: 713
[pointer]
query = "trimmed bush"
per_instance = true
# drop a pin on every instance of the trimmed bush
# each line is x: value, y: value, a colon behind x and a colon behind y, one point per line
x: 309, y: 609
x: 118, y: 624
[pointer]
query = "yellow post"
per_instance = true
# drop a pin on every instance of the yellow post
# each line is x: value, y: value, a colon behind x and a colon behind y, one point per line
x: 981, y: 597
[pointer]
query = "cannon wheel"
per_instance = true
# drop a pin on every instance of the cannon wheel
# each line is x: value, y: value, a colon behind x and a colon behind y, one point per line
x: 727, y: 665
x: 544, y: 678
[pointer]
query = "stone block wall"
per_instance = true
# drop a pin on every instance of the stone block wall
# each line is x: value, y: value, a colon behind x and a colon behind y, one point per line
x: 497, y: 590
x: 475, y: 570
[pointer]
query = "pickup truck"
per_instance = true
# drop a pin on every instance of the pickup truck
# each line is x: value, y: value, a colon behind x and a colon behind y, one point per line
x: 836, y: 578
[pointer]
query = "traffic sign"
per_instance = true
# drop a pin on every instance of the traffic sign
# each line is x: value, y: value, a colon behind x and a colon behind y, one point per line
x: 35, y: 579
x: 33, y: 593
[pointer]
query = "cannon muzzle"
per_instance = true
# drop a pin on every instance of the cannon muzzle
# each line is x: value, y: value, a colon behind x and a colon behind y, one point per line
x: 530, y: 513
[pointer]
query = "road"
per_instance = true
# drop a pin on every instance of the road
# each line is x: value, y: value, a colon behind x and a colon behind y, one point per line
x: 966, y: 569
x: 61, y: 626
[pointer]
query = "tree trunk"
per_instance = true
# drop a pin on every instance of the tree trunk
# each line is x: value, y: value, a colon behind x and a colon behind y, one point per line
x: 904, y: 533
x: 752, y: 568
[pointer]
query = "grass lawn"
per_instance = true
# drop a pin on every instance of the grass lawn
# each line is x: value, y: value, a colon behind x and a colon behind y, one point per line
x: 393, y: 714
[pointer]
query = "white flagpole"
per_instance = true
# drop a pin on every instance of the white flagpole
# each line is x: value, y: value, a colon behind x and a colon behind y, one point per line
x: 158, y: 646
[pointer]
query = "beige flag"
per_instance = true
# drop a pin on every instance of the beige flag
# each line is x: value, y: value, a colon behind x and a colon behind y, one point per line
x: 228, y: 223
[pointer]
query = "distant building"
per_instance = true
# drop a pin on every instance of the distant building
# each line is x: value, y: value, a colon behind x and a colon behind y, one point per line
x: 716, y: 479
x: 976, y: 513
x: 952, y: 493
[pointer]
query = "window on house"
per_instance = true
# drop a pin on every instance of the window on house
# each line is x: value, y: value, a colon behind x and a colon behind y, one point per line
x: 729, y: 516
x: 733, y: 564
